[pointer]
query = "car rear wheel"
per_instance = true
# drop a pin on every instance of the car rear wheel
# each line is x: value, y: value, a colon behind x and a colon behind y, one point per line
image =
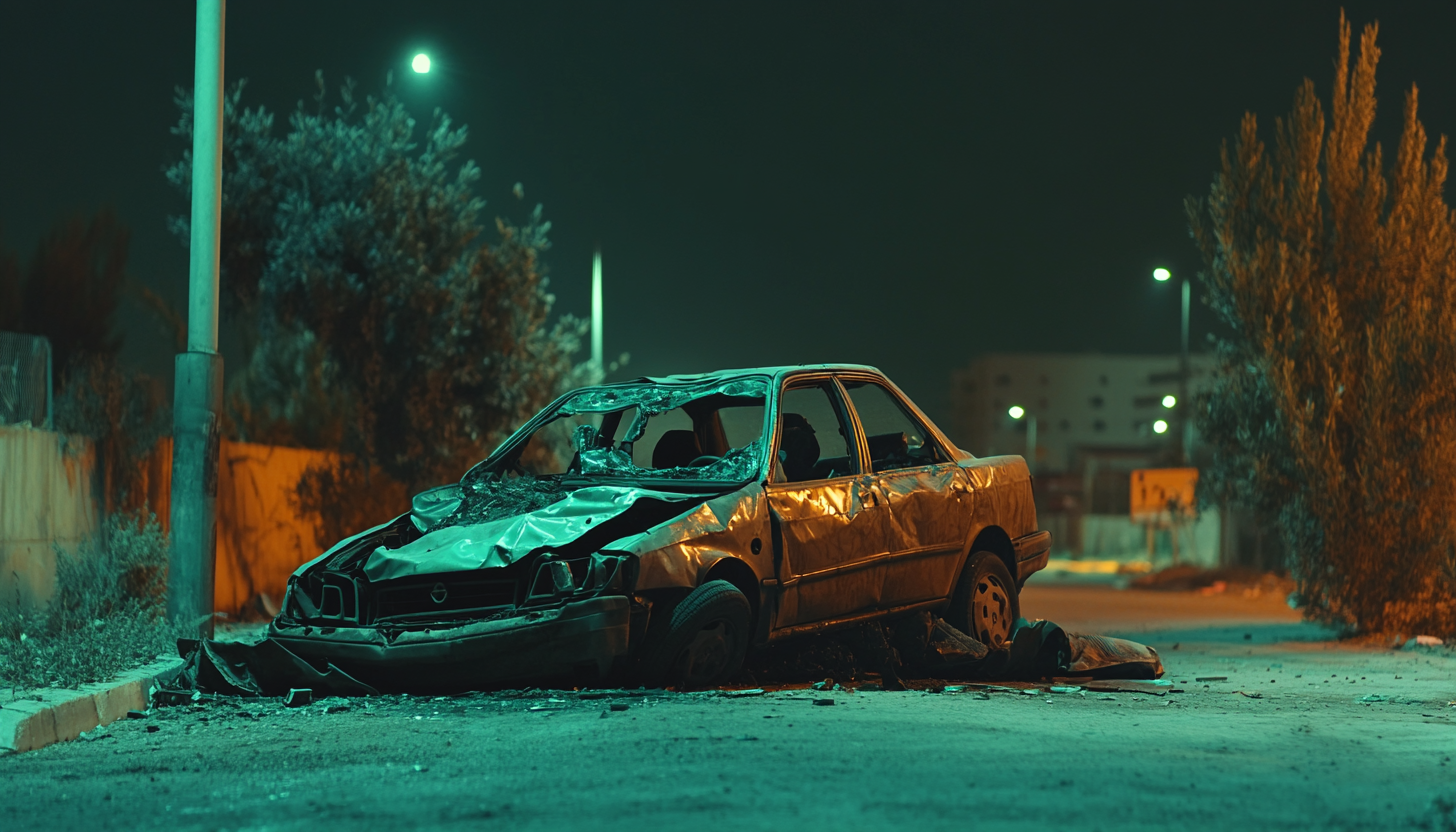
x: 701, y: 642
x: 985, y: 605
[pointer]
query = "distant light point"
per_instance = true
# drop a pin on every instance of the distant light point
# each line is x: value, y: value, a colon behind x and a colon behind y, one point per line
x: 421, y: 64
x: 1170, y: 401
x: 1016, y: 411
x: 1159, y: 274
x: 1160, y: 426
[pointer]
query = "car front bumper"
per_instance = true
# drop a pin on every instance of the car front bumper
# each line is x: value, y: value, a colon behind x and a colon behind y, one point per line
x: 474, y: 654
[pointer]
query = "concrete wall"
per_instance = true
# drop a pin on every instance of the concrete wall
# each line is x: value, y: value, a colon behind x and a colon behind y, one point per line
x: 260, y: 538
x: 1115, y: 537
x: 49, y: 489
x: 47, y: 499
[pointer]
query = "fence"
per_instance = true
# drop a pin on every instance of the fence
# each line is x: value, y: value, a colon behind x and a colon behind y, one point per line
x: 25, y: 380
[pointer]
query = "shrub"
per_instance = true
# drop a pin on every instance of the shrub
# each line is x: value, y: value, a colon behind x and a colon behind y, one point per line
x: 108, y: 613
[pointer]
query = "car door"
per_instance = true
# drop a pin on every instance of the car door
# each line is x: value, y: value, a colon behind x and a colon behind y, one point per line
x: 829, y: 523
x: 926, y: 496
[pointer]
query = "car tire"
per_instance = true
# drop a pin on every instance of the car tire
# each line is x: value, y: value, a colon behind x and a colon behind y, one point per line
x: 986, y: 604
x: 700, y: 642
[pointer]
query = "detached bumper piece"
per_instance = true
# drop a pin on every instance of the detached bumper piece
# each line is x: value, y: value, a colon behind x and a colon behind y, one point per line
x: 585, y: 636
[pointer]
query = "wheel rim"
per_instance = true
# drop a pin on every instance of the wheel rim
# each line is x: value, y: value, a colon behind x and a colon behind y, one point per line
x: 706, y: 656
x: 991, y: 612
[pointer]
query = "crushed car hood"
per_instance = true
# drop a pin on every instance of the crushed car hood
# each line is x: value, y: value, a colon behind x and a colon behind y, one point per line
x: 505, y: 540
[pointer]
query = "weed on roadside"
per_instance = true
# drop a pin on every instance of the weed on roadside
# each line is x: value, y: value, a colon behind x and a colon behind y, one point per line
x: 107, y: 614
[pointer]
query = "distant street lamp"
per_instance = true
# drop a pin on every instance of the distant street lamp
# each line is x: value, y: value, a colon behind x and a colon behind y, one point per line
x: 1185, y: 436
x: 421, y: 63
x: 1016, y: 411
x: 1160, y: 426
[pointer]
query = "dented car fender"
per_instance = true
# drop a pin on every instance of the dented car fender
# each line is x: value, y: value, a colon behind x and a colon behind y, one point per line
x: 680, y: 553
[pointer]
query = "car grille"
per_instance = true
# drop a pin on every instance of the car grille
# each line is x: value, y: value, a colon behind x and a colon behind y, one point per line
x: 442, y: 599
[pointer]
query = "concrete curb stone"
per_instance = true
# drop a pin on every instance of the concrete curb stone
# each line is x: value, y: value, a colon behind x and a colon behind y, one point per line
x: 57, y: 715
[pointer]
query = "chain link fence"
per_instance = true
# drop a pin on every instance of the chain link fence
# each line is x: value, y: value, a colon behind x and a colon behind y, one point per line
x: 26, y: 380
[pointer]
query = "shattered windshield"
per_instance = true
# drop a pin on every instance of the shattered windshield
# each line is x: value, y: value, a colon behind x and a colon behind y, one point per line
x: 709, y: 431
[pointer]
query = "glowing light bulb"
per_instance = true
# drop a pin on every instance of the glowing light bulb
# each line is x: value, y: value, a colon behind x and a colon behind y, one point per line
x: 1170, y: 401
x: 1161, y: 274
x: 1016, y: 411
x: 1160, y: 426
x: 421, y: 64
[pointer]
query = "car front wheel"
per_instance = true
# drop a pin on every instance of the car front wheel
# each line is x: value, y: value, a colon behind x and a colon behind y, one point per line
x: 701, y: 643
x: 985, y: 605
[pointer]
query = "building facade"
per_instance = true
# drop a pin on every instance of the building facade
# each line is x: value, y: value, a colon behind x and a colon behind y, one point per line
x: 1096, y: 421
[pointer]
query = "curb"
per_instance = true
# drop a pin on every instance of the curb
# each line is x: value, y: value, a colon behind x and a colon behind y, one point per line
x: 56, y: 715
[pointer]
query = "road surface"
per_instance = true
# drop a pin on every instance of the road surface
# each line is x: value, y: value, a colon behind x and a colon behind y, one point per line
x: 1301, y: 733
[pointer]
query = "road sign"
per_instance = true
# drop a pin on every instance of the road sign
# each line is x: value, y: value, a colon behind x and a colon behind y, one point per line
x: 1163, y: 494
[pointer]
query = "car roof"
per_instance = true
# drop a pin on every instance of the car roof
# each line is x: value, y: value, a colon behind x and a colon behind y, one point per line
x: 776, y: 372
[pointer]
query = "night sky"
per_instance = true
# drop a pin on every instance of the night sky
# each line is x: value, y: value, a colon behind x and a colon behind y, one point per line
x: 904, y: 185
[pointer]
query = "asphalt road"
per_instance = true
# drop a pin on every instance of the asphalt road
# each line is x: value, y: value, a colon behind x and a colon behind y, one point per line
x: 1302, y: 734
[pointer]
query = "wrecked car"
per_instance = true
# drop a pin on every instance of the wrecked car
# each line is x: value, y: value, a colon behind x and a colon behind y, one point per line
x: 658, y: 529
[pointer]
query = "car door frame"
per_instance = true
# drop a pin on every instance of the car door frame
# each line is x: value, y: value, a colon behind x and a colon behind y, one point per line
x: 946, y: 558
x: 790, y: 583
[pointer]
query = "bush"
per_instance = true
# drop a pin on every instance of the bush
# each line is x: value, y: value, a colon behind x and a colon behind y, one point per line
x: 108, y: 614
x: 1335, y: 405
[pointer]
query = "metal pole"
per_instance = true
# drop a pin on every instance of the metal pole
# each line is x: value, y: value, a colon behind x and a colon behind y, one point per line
x: 1185, y: 416
x: 1031, y: 444
x: 596, y: 309
x: 198, y: 398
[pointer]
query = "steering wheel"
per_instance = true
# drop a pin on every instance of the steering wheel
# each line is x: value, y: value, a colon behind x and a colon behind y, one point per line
x: 704, y: 460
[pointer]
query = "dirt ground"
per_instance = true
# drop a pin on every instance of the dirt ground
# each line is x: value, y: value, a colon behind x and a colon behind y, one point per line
x: 1300, y: 733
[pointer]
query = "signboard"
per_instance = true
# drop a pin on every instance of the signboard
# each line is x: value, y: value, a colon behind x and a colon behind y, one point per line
x: 1163, y: 494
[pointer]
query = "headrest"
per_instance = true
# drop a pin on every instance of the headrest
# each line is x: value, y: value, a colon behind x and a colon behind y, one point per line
x: 798, y: 449
x: 675, y: 449
x: 888, y: 446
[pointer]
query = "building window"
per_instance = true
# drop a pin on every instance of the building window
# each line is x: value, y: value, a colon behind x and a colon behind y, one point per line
x: 1096, y: 402
x: 1064, y: 425
x: 1099, y: 426
x: 1103, y: 379
x: 1003, y: 380
x: 1045, y: 381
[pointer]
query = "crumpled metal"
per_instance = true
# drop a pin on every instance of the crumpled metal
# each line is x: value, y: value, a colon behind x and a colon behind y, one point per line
x: 654, y: 399
x: 735, y: 466
x: 500, y: 542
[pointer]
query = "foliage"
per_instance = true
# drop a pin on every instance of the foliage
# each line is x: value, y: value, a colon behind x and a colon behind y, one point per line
x: 385, y: 324
x: 72, y: 287
x: 107, y: 615
x: 125, y: 413
x: 1335, y: 407
x: 348, y: 496
x: 10, y: 291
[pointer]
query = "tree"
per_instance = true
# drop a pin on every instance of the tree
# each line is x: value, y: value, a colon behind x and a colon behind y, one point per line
x: 73, y: 286
x: 11, y: 318
x: 1335, y: 405
x: 383, y: 318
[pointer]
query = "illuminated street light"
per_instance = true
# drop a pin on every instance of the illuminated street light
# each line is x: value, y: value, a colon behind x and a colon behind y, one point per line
x: 1160, y: 426
x: 421, y: 64
x: 1170, y: 402
x: 1185, y: 437
x: 1016, y: 411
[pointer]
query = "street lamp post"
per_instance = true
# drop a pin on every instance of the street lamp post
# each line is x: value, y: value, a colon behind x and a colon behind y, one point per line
x: 1017, y: 412
x: 1185, y: 433
x: 197, y: 403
